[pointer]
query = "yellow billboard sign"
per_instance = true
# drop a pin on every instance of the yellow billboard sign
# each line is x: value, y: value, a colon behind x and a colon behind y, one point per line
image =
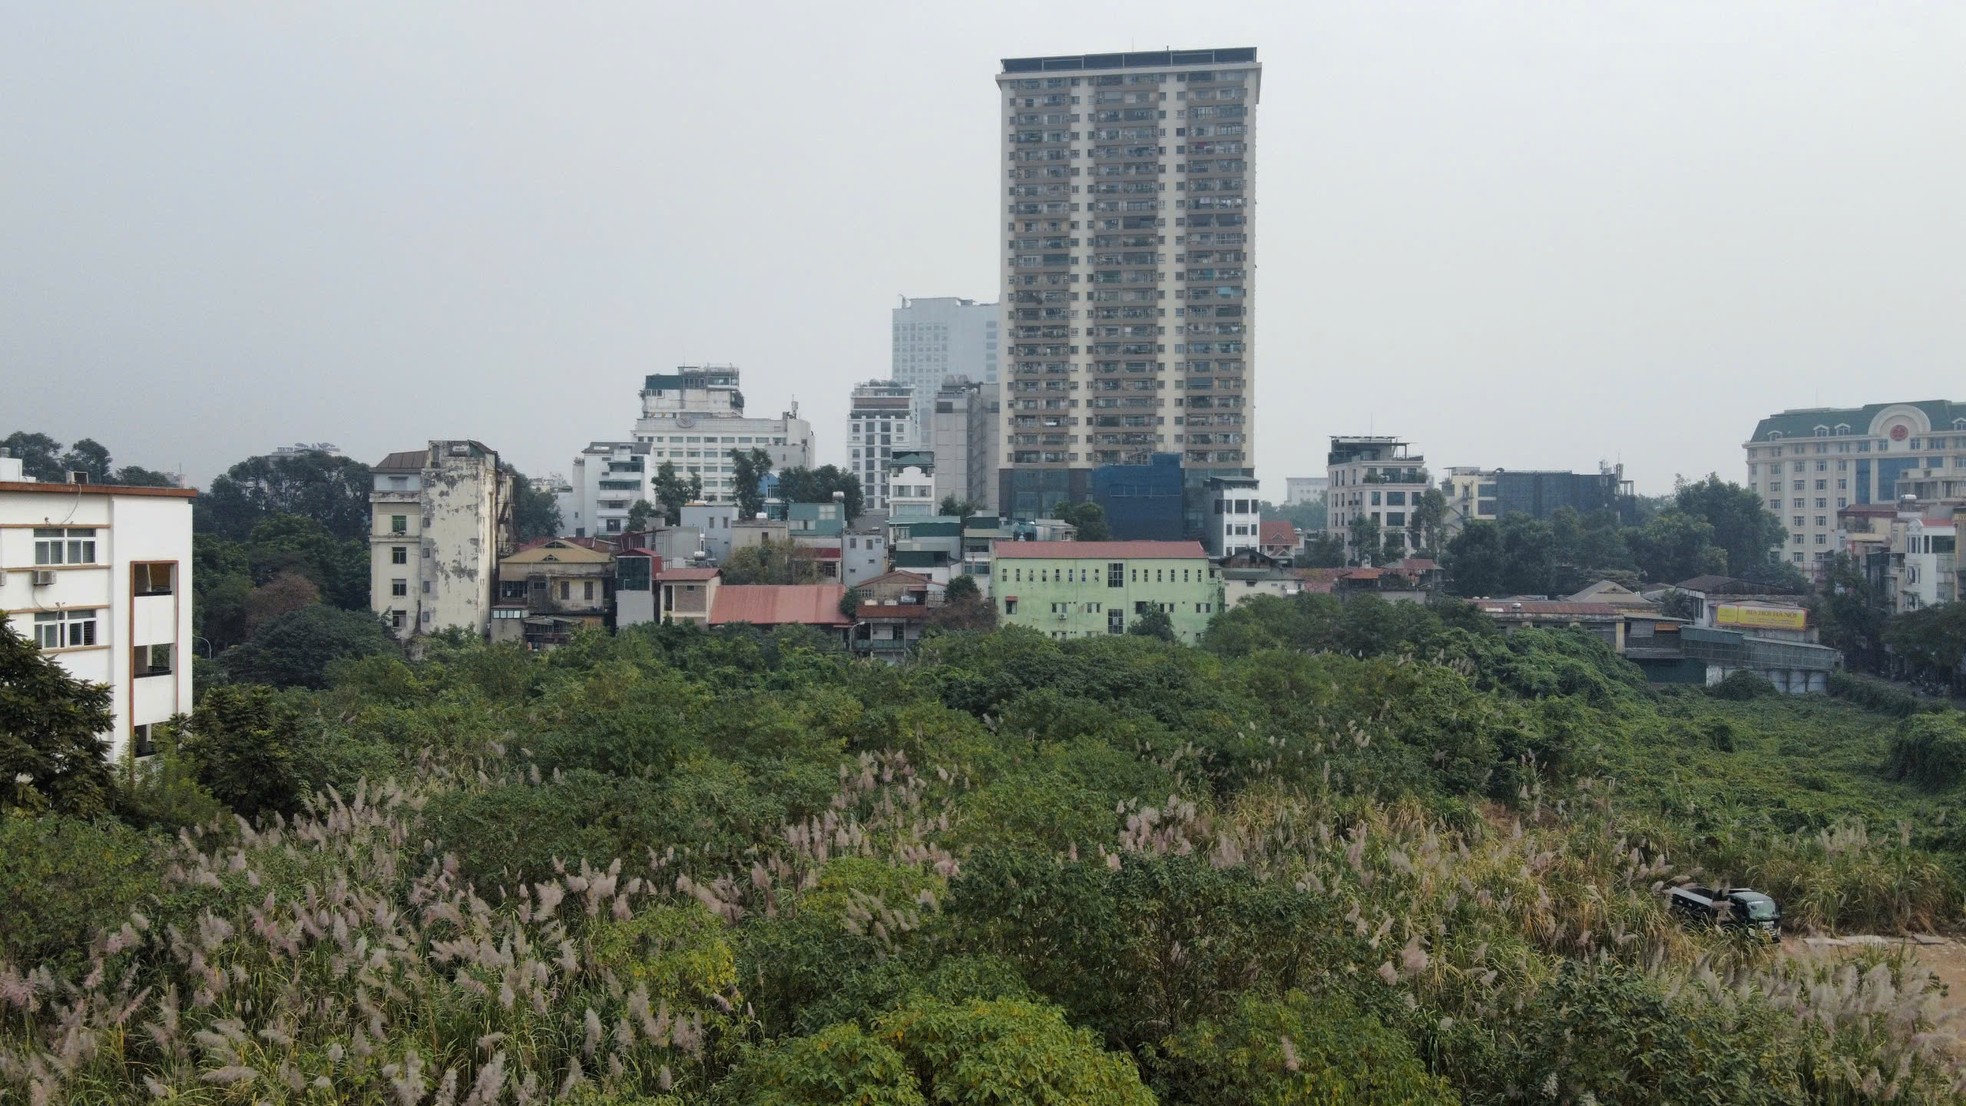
x: 1743, y: 617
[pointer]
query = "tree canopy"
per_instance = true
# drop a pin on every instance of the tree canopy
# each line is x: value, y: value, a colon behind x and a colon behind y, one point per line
x: 52, y: 752
x: 804, y: 485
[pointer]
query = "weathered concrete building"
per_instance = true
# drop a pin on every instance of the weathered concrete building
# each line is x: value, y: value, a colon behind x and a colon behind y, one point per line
x: 552, y: 588
x: 442, y: 517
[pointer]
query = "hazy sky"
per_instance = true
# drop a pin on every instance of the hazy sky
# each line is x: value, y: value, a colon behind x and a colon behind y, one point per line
x: 1520, y: 235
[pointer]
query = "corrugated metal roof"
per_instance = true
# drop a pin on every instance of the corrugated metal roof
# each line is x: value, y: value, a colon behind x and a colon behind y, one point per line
x: 779, y: 605
x: 409, y: 460
x: 1098, y: 550
x: 685, y: 575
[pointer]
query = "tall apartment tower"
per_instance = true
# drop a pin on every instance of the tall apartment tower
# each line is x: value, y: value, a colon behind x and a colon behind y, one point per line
x: 1127, y: 269
x: 880, y: 422
x: 962, y: 431
x: 940, y: 338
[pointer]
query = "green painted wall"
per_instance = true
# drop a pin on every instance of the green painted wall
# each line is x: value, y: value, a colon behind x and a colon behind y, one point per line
x: 1189, y: 589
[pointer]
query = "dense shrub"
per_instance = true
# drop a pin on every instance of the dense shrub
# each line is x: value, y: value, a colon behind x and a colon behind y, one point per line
x: 1742, y: 685
x: 1298, y: 1048
x: 1930, y: 750
x: 1881, y: 696
x: 62, y: 881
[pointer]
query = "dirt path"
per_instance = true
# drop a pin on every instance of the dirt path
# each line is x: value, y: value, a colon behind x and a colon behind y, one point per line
x: 1945, y: 958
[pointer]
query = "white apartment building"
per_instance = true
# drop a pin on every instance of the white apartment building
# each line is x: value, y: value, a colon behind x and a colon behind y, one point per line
x: 442, y: 517
x: 1235, y: 517
x: 1299, y: 490
x: 695, y: 416
x: 1127, y: 267
x: 880, y: 421
x: 1811, y: 462
x: 940, y: 338
x: 963, y: 436
x: 1375, y: 478
x: 99, y: 576
x: 911, y: 486
x: 609, y: 478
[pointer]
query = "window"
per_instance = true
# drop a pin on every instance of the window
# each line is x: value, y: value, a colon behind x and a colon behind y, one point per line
x: 142, y: 744
x: 399, y: 586
x: 1116, y: 574
x: 396, y: 619
x: 399, y: 555
x: 1798, y: 521
x: 152, y: 577
x: 1116, y: 621
x: 1010, y: 605
x: 65, y: 629
x: 54, y: 545
x: 588, y: 589
x: 399, y: 524
x: 150, y: 660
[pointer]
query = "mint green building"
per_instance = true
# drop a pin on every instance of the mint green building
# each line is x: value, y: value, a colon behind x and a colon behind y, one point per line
x: 1069, y: 589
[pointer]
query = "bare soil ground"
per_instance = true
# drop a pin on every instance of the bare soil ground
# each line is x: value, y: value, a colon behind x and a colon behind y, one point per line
x: 1943, y: 957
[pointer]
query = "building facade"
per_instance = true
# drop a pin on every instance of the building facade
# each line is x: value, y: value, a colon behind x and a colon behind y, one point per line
x: 1082, y: 589
x: 609, y: 478
x: 1375, y: 478
x: 880, y: 421
x: 693, y: 417
x: 938, y: 339
x: 1810, y: 463
x: 1127, y: 268
x: 1299, y: 490
x: 441, y: 519
x: 1488, y: 495
x: 99, y: 577
x: 963, y: 434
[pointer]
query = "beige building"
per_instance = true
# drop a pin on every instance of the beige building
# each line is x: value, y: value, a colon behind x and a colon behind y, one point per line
x: 441, y: 518
x: 552, y: 588
x: 1375, y: 478
x: 1810, y: 463
x: 1128, y: 262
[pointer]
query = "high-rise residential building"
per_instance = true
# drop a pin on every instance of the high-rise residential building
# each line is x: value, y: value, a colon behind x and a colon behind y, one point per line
x: 963, y: 436
x: 1127, y: 269
x: 1809, y: 463
x: 98, y: 576
x: 1376, y: 479
x: 442, y: 517
x: 880, y: 421
x: 940, y: 338
x: 695, y: 416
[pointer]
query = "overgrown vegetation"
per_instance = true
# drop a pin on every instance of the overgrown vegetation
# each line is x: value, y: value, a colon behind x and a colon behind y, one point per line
x: 1342, y: 853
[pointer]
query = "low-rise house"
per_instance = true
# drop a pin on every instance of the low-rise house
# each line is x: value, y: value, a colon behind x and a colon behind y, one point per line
x: 1278, y: 539
x: 863, y: 555
x: 1079, y: 589
x: 99, y: 577
x: 771, y: 605
x: 714, y: 521
x: 1239, y: 584
x: 635, y: 595
x: 551, y: 588
x: 892, y: 611
x: 685, y: 594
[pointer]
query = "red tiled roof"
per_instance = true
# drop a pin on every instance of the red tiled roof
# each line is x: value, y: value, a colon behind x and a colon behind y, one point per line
x: 1098, y: 550
x: 685, y: 575
x: 779, y: 604
x: 904, y: 612
x: 1279, y: 532
x: 1361, y: 573
x: 1414, y: 566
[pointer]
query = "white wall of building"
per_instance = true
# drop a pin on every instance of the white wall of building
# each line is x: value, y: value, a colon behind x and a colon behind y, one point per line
x: 439, y: 531
x: 96, y: 617
x: 880, y: 423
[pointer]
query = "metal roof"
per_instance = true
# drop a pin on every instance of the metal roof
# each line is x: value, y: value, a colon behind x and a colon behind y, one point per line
x: 1099, y: 550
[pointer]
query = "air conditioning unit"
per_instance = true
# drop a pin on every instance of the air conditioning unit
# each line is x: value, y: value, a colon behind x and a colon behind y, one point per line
x: 44, y: 578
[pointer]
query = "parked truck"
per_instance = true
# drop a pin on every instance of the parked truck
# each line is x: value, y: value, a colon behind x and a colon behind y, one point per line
x: 1741, y: 908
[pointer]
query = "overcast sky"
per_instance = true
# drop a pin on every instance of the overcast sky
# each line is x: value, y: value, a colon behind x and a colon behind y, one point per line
x: 1518, y: 235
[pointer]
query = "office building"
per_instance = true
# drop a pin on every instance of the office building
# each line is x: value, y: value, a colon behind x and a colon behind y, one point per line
x: 1299, y: 490
x: 1377, y: 479
x: 880, y: 420
x: 1810, y: 463
x: 1488, y: 495
x: 938, y: 339
x: 442, y: 518
x: 695, y: 416
x: 1127, y: 269
x: 963, y: 437
x: 99, y: 577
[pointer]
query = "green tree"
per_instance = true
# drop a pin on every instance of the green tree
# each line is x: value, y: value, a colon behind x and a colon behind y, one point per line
x: 748, y: 471
x: 333, y: 491
x: 803, y: 485
x: 535, y: 513
x: 1088, y: 518
x: 241, y: 743
x: 963, y: 608
x: 850, y: 601
x: 65, y: 879
x: 641, y: 514
x: 1743, y: 528
x: 39, y: 455
x: 90, y: 456
x: 1676, y: 546
x: 138, y: 477
x: 1308, y: 516
x: 1933, y: 639
x: 959, y: 507
x: 1153, y: 624
x: 1475, y: 560
x: 673, y: 492
x: 52, y: 749
x: 1428, y: 522
x: 283, y: 544
x: 1849, y: 614
x: 1367, y: 543
x: 1322, y: 550
x: 295, y: 650
x: 771, y: 562
x: 1300, y: 1049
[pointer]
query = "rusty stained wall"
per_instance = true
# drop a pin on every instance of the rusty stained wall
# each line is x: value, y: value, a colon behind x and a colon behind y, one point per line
x: 461, y: 539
